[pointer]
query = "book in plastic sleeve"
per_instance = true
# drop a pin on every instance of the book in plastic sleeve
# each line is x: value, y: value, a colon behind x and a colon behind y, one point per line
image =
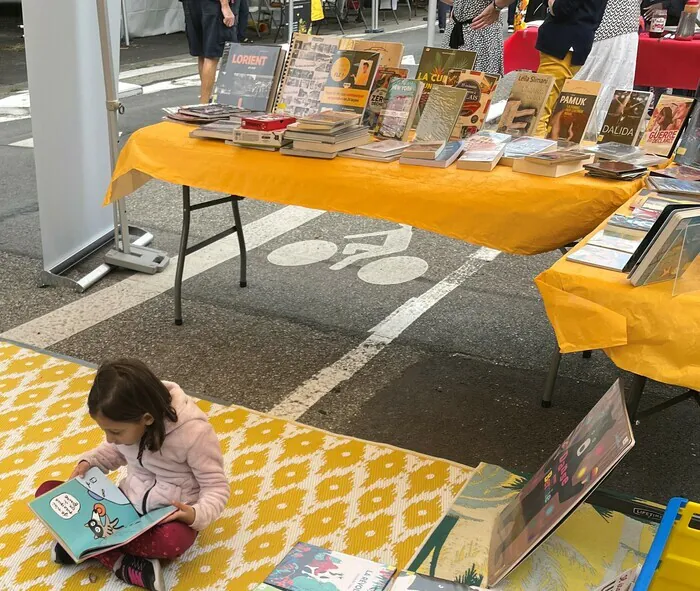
x: 573, y: 110
x: 525, y: 104
x: 666, y: 124
x: 349, y: 81
x: 625, y: 118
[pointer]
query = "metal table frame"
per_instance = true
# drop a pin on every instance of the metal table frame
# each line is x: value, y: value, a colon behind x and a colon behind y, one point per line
x: 237, y: 228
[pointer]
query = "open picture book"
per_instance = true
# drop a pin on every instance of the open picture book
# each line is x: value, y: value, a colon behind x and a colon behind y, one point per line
x: 90, y: 515
x: 571, y: 473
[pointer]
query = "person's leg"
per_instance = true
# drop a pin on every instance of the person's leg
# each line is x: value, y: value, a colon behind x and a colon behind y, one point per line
x: 58, y: 553
x: 208, y: 77
x: 443, y: 11
x: 242, y: 20
x: 215, y: 36
x: 45, y: 487
x: 561, y: 70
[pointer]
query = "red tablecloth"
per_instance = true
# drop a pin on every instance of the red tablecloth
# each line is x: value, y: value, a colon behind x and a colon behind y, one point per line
x: 660, y: 62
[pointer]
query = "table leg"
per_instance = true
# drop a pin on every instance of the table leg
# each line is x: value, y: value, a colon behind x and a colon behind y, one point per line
x: 587, y: 354
x: 241, y: 240
x: 635, y: 396
x: 551, y: 378
x: 183, y: 253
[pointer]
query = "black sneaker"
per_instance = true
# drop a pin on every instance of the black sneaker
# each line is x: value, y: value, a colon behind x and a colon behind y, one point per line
x: 142, y: 572
x: 60, y: 556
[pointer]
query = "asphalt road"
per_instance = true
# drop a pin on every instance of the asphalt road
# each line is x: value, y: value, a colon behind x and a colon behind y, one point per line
x: 462, y: 380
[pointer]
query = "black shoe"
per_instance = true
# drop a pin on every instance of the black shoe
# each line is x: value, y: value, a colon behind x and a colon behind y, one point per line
x: 442, y: 31
x: 246, y: 40
x: 142, y: 572
x: 60, y: 556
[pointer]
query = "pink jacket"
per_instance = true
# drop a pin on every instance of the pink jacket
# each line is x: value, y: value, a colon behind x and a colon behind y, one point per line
x: 189, y: 467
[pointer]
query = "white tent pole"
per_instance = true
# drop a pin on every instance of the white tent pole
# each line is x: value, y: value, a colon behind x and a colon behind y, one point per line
x: 125, y: 20
x: 291, y: 23
x: 432, y: 15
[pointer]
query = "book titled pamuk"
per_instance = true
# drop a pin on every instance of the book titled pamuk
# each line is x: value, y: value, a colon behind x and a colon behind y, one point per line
x: 89, y: 515
x: 624, y: 120
x: 309, y: 567
x: 573, y: 110
x: 525, y: 103
x: 349, y: 81
x: 667, y: 122
x: 571, y: 473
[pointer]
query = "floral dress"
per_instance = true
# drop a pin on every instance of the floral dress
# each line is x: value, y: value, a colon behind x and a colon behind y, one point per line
x: 486, y: 42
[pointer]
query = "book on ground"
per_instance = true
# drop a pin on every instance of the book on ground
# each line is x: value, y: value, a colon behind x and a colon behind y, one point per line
x: 444, y: 159
x: 349, y: 81
x: 434, y: 67
x: 571, y: 473
x: 480, y: 88
x: 378, y: 95
x: 573, y: 110
x: 90, y: 515
x: 409, y: 581
x: 440, y: 114
x: 397, y: 116
x: 390, y: 51
x: 667, y: 122
x: 524, y: 105
x: 308, y: 567
x: 249, y: 75
x: 624, y: 120
x: 305, y: 73
x: 552, y: 164
x: 481, y: 157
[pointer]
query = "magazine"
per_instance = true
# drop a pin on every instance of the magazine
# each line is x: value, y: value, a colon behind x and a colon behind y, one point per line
x: 307, y: 564
x: 89, y: 515
x: 571, y: 473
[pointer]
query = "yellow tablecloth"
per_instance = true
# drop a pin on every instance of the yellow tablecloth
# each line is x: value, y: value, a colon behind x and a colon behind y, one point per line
x: 645, y: 330
x: 512, y: 212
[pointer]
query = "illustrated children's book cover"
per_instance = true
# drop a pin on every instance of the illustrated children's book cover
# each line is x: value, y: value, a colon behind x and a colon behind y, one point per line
x: 571, y: 473
x: 310, y: 568
x: 89, y: 515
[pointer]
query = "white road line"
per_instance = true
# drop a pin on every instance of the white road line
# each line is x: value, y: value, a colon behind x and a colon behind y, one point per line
x: 106, y: 303
x: 316, y: 387
x: 154, y: 69
x: 28, y: 143
x: 393, y: 32
x: 184, y: 82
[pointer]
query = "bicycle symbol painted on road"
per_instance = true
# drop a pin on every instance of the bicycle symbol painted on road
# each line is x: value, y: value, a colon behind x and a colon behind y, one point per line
x: 388, y: 270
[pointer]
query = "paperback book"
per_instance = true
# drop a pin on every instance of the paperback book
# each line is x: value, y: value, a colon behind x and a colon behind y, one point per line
x: 681, y: 172
x: 349, y: 81
x: 216, y: 130
x: 425, y: 150
x: 249, y: 76
x: 307, y: 567
x: 674, y: 186
x: 440, y: 114
x: 378, y: 95
x: 571, y: 473
x: 573, y: 110
x: 408, y: 581
x: 526, y: 146
x: 391, y: 52
x: 90, y: 515
x: 434, y: 67
x: 552, y: 164
x: 601, y: 257
x: 400, y: 110
x: 666, y: 124
x: 446, y: 157
x: 305, y: 73
x: 480, y: 157
x: 525, y: 103
x: 480, y: 88
x: 624, y: 120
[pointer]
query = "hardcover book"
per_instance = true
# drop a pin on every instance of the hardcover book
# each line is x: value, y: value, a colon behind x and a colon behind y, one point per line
x: 89, y: 515
x: 688, y: 152
x: 624, y: 120
x: 435, y: 65
x: 349, y: 81
x: 572, y: 472
x: 480, y: 88
x: 390, y: 51
x: 481, y: 158
x: 667, y: 122
x: 378, y: 95
x: 440, y: 114
x: 401, y: 106
x: 307, y: 567
x: 248, y: 76
x: 525, y: 103
x: 305, y: 73
x: 573, y: 110
x: 408, y: 581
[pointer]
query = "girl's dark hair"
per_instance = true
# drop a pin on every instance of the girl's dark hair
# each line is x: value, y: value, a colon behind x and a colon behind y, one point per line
x: 126, y: 389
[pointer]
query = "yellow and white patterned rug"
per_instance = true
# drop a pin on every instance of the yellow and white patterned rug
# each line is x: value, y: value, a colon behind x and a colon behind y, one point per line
x: 289, y: 482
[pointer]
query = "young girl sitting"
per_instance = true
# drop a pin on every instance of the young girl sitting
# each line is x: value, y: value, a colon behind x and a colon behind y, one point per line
x: 172, y: 455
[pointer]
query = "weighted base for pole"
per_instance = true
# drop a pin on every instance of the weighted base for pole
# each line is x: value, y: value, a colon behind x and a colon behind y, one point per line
x: 141, y: 259
x: 374, y: 30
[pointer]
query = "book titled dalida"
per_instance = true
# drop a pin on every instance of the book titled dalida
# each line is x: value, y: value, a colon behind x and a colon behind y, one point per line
x: 573, y: 110
x: 90, y: 515
x: 525, y: 103
x: 571, y: 473
x: 309, y: 567
x: 349, y: 81
x: 625, y: 117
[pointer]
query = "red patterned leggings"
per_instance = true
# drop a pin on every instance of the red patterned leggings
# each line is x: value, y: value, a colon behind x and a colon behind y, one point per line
x: 166, y: 541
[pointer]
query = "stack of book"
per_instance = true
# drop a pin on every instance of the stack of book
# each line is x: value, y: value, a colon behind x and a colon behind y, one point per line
x: 553, y: 164
x: 381, y: 151
x: 216, y: 130
x: 434, y: 154
x: 483, y: 150
x: 323, y: 135
x: 200, y: 114
x: 681, y: 172
x: 526, y: 146
x: 613, y: 170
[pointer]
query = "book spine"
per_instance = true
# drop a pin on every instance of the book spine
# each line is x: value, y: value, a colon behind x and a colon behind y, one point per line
x: 283, y: 77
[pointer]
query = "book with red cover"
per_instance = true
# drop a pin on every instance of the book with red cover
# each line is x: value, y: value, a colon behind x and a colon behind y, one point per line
x: 266, y: 122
